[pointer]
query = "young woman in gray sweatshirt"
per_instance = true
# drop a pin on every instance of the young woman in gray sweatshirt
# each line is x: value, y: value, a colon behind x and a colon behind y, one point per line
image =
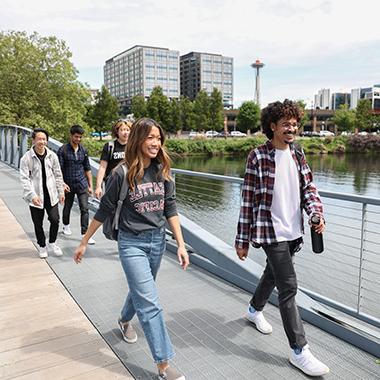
x: 141, y: 238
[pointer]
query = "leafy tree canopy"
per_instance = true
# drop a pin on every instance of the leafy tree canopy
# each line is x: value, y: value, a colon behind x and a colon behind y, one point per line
x: 38, y: 83
x: 345, y: 118
x: 364, y: 119
x: 103, y: 112
x: 248, y: 117
x: 139, y: 108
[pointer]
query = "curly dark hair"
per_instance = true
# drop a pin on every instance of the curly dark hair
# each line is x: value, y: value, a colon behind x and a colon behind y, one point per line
x: 276, y: 111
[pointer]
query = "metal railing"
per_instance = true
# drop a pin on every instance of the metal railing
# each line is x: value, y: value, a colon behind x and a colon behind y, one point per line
x: 346, y: 276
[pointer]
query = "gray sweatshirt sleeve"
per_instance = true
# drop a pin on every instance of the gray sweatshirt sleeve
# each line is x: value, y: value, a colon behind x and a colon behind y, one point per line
x: 110, y: 198
x: 170, y: 200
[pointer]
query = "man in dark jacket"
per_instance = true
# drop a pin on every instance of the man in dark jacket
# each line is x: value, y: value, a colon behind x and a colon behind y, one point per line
x: 76, y: 170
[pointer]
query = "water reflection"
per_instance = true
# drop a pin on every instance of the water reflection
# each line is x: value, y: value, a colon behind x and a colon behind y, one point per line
x: 354, y: 174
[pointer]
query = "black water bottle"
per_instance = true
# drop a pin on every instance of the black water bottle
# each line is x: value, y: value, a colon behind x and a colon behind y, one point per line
x: 316, y: 238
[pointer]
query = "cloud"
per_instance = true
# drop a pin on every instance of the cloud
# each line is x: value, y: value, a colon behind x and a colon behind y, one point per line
x: 284, y: 34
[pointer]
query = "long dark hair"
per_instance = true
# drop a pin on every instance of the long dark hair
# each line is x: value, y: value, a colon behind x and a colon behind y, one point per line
x: 134, y: 158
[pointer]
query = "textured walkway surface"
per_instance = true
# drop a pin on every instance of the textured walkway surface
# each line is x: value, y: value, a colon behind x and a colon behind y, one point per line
x: 203, y: 314
x: 44, y: 334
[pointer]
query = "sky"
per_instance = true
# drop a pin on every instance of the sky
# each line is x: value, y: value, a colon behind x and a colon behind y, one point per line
x: 305, y: 45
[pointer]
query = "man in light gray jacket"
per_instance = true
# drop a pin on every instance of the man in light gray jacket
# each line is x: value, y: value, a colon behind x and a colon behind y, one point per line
x: 42, y: 181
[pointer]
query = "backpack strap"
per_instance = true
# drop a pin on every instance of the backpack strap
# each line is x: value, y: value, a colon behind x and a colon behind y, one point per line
x: 111, y: 147
x: 122, y: 195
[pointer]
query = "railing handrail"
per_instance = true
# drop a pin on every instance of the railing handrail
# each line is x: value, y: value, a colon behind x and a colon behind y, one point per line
x: 329, y: 194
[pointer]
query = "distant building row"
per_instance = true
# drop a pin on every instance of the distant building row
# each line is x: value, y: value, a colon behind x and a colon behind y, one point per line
x: 323, y: 100
x: 139, y: 69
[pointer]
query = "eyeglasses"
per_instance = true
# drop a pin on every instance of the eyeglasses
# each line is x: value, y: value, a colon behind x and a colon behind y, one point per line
x: 289, y: 125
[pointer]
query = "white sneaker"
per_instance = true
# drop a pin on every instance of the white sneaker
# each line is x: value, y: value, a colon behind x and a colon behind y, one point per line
x: 91, y: 241
x: 53, y: 247
x: 42, y: 252
x: 258, y: 319
x: 66, y: 229
x: 308, y: 363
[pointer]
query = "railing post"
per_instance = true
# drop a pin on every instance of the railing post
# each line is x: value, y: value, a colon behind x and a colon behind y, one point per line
x: 14, y: 146
x: 364, y: 215
x: 2, y: 144
x: 23, y: 146
x: 7, y: 145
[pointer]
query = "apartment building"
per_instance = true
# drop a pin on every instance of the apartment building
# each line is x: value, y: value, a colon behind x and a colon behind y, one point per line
x: 139, y: 69
x: 206, y: 71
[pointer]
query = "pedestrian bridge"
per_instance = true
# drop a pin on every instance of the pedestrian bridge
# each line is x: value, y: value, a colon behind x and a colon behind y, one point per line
x: 203, y: 306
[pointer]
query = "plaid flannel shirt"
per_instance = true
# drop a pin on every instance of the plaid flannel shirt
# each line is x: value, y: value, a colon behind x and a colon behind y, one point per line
x: 255, y: 221
x: 74, y: 166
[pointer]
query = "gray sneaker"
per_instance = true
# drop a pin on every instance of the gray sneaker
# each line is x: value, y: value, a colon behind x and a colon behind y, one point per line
x: 171, y: 374
x: 128, y: 332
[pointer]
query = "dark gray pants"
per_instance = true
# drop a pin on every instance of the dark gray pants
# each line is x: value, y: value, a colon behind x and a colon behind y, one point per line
x: 280, y: 273
x: 82, y: 196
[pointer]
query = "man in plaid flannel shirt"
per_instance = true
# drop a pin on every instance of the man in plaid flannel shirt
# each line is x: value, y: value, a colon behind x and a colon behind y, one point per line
x: 278, y: 185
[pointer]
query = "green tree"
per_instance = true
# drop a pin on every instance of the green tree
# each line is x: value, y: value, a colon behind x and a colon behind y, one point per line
x: 187, y: 113
x: 38, y: 83
x: 202, y: 111
x: 364, y: 118
x: 345, y: 118
x: 216, y: 110
x: 248, y: 117
x: 139, y: 108
x: 158, y: 107
x: 103, y: 112
x: 175, y: 123
x: 305, y: 117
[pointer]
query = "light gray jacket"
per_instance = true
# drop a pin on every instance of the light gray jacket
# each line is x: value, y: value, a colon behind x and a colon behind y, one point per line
x: 31, y: 177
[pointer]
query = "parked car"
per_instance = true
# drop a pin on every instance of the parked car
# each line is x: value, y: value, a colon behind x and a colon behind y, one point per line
x: 309, y: 134
x: 223, y: 134
x: 212, y: 133
x: 238, y: 134
x: 326, y: 133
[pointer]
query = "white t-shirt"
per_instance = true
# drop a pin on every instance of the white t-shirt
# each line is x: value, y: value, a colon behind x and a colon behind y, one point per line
x: 286, y: 203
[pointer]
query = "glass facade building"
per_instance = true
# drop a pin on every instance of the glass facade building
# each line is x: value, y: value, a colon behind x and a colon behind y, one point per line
x: 204, y: 71
x: 139, y: 69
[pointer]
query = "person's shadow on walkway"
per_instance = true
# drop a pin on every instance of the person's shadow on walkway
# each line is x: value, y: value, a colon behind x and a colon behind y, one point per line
x: 204, y: 331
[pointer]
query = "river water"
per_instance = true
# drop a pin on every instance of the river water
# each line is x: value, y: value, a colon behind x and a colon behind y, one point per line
x: 335, y: 274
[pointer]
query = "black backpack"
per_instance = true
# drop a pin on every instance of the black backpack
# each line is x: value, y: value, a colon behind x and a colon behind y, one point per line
x: 111, y: 223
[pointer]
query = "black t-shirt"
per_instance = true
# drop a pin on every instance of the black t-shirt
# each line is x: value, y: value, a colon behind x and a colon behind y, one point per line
x: 117, y: 155
x: 41, y: 157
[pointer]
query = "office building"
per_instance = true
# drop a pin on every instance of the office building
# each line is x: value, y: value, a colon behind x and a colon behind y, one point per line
x: 138, y: 70
x: 355, y: 97
x: 371, y: 93
x: 205, y: 71
x: 322, y: 100
x: 340, y: 98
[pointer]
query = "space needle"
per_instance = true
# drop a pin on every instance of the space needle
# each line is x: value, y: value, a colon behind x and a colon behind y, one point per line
x: 257, y: 65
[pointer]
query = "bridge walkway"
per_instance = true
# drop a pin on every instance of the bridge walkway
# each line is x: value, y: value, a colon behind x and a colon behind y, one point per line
x: 39, y: 320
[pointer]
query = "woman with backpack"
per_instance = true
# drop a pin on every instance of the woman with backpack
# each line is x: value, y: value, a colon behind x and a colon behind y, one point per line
x: 112, y: 153
x: 141, y: 238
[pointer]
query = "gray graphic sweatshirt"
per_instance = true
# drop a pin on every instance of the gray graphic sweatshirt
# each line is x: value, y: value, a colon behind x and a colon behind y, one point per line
x: 146, y: 207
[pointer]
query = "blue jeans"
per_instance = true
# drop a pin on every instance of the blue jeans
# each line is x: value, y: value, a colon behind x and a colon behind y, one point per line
x: 140, y: 255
